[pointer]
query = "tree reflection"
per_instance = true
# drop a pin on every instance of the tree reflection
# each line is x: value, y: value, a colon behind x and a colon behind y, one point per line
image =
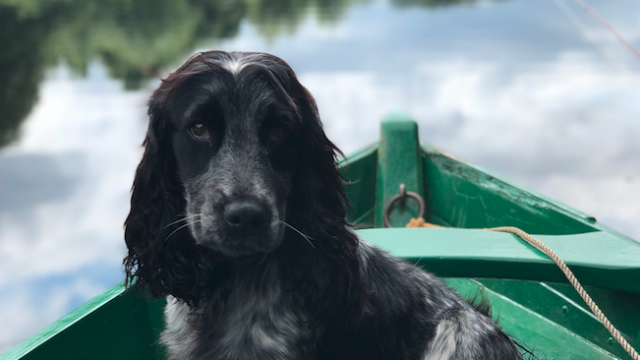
x: 435, y: 3
x: 135, y: 39
x: 431, y: 3
x: 22, y: 43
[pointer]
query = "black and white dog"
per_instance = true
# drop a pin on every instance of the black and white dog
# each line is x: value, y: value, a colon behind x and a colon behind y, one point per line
x: 237, y: 215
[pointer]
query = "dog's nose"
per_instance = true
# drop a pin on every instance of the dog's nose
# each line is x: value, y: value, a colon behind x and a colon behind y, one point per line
x: 245, y: 217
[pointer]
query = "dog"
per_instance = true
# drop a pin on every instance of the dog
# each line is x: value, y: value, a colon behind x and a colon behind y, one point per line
x: 238, y: 218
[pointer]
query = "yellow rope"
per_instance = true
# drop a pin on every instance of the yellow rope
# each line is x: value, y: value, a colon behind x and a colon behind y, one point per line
x: 415, y: 223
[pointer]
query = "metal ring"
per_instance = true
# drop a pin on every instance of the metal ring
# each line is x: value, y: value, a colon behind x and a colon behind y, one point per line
x: 402, y: 196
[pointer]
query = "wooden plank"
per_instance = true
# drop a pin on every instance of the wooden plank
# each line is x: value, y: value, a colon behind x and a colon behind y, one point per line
x: 461, y: 194
x: 561, y: 304
x: 399, y: 162
x: 547, y: 339
x: 597, y: 258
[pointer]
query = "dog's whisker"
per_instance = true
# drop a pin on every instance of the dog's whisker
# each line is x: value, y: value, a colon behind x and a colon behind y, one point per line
x: 298, y: 231
x: 306, y: 237
x: 178, y: 229
x: 182, y: 219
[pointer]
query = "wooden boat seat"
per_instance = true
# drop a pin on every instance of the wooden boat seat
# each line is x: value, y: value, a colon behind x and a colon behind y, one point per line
x: 597, y: 258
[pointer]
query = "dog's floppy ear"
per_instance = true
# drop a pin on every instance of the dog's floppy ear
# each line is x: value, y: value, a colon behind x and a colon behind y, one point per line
x: 317, y: 207
x: 161, y: 259
x: 324, y: 192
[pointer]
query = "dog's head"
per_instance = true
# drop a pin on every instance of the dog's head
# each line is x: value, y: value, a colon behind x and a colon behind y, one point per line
x: 235, y: 157
x: 235, y: 121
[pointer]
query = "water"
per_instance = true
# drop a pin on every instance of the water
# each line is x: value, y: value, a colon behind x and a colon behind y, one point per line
x: 536, y: 90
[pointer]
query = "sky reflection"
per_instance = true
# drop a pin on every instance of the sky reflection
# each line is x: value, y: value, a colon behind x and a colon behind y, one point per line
x: 534, y: 90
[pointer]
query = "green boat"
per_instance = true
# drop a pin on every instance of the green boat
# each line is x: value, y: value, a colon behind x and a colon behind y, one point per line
x: 531, y: 298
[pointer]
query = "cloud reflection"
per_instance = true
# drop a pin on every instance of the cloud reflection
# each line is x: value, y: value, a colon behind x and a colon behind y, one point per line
x: 61, y: 239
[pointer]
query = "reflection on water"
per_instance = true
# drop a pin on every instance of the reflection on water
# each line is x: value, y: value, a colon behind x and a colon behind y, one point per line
x: 549, y: 99
x: 135, y: 40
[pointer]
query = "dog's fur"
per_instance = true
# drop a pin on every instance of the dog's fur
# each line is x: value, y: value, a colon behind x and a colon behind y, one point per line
x: 237, y: 215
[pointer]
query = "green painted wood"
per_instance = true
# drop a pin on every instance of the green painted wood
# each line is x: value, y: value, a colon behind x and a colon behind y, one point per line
x: 461, y: 195
x: 474, y: 253
x: 114, y: 325
x: 547, y: 339
x: 561, y: 304
x: 621, y: 307
x: 399, y: 161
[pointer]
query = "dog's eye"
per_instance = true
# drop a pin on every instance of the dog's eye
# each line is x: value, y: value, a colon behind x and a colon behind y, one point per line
x: 199, y: 132
x: 278, y: 133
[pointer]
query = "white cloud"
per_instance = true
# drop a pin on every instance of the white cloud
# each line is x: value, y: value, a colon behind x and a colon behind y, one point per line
x: 571, y: 118
x: 92, y: 131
